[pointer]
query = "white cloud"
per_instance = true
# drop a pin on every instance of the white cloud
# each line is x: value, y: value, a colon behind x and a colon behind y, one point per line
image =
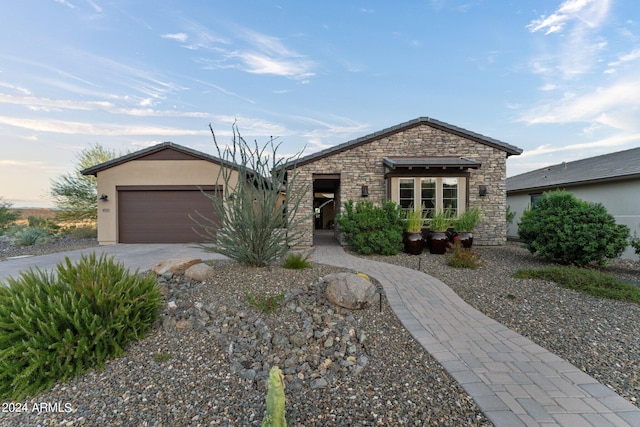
x: 181, y: 37
x: 576, y: 51
x: 616, y: 106
x: 65, y: 3
x: 95, y: 7
x: 80, y: 128
x: 587, y: 12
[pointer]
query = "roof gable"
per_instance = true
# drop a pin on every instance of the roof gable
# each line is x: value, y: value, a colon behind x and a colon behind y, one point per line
x: 508, y: 148
x: 162, y: 151
x: 607, y: 167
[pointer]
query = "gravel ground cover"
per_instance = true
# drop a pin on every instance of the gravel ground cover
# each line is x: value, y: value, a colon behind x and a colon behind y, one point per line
x: 601, y: 337
x: 60, y: 244
x: 207, y: 361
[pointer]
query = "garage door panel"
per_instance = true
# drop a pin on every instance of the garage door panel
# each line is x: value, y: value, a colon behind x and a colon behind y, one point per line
x: 161, y: 216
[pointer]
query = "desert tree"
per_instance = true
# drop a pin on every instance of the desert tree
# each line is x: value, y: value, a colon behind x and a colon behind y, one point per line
x: 256, y: 221
x: 7, y: 214
x: 75, y: 195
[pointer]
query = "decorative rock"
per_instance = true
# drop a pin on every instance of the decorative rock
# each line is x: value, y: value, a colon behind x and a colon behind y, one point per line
x: 200, y: 272
x: 184, y: 324
x: 174, y: 266
x: 319, y: 383
x: 350, y: 291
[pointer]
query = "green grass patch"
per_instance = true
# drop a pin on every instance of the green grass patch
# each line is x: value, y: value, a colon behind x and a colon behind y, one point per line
x: 161, y: 357
x: 265, y: 303
x: 296, y: 261
x: 586, y: 280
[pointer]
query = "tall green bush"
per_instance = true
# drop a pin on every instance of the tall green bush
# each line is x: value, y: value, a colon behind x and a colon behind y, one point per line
x: 372, y: 229
x: 54, y: 326
x: 569, y: 230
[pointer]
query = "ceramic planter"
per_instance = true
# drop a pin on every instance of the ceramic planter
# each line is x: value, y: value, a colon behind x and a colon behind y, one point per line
x: 465, y: 238
x: 438, y: 242
x: 413, y: 243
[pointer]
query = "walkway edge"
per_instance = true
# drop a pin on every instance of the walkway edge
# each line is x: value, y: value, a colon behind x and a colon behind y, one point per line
x: 514, y: 381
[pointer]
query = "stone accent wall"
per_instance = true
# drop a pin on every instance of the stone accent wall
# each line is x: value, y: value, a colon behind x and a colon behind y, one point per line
x: 362, y: 165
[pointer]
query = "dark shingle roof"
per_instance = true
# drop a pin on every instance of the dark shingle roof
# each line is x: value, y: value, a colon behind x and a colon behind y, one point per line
x: 607, y: 167
x: 430, y: 162
x: 508, y: 148
x: 93, y: 170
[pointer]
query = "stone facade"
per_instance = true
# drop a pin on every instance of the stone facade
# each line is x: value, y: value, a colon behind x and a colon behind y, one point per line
x: 361, y: 164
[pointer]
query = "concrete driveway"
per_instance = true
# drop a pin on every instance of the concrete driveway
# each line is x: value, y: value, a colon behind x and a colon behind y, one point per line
x: 134, y: 256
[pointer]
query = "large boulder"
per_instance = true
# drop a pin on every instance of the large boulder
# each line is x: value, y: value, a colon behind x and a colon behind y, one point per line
x: 200, y: 272
x: 175, y: 266
x: 350, y: 291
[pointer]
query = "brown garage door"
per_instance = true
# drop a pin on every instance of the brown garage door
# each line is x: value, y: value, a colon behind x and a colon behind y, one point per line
x: 161, y: 214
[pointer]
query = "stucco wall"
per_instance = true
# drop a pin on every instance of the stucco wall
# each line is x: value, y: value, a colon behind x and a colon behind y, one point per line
x: 148, y: 172
x: 619, y: 197
x: 362, y: 165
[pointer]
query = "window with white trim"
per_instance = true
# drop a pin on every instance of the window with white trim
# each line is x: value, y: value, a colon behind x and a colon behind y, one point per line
x: 431, y: 193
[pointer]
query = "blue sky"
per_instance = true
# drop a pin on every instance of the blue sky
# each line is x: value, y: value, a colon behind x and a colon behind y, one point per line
x: 559, y: 79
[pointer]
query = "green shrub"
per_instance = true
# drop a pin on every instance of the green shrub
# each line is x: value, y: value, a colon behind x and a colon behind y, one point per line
x: 296, y: 261
x: 56, y: 325
x: 589, y: 281
x: 7, y: 214
x: 372, y: 229
x: 569, y: 230
x: 461, y: 257
x: 44, y: 223
x: 635, y: 243
x: 84, y: 232
x: 265, y: 303
x: 30, y: 236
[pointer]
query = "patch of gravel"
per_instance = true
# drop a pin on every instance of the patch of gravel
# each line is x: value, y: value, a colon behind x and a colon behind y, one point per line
x: 207, y: 361
x: 58, y: 244
x: 599, y: 336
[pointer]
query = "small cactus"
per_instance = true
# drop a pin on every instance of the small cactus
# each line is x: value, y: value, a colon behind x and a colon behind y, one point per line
x: 275, y: 400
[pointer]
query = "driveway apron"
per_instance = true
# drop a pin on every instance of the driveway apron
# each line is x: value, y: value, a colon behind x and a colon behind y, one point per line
x: 134, y: 257
x: 514, y: 381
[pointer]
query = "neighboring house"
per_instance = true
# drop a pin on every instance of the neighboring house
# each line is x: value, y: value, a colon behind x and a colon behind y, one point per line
x: 147, y: 196
x: 423, y: 162
x: 611, y: 179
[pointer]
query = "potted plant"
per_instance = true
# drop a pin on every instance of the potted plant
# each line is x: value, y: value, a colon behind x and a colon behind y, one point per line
x: 465, y: 224
x: 438, y: 226
x: 413, y: 241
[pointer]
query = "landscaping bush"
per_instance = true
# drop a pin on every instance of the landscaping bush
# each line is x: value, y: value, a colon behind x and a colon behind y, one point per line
x: 44, y: 223
x: 569, y: 230
x: 29, y: 236
x: 84, y: 232
x: 460, y: 257
x: 635, y: 243
x: 54, y: 326
x: 372, y: 229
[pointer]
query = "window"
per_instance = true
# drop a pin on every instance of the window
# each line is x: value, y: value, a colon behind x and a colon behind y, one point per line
x: 428, y: 196
x: 431, y: 193
x: 535, y: 198
x: 407, y: 191
x: 450, y: 195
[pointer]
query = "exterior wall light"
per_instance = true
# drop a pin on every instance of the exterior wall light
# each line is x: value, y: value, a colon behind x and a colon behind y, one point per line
x: 104, y: 197
x: 483, y: 190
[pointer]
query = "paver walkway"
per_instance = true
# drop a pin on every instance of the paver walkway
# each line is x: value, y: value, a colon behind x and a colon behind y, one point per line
x: 514, y: 381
